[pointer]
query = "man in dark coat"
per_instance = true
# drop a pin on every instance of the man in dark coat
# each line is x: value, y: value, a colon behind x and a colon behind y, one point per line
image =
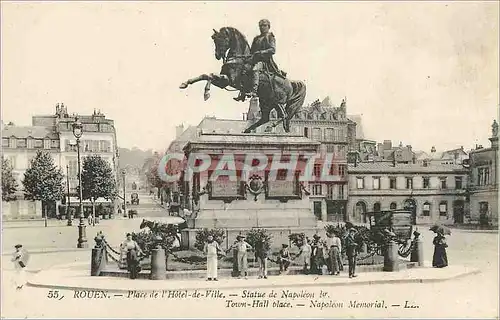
x: 351, y: 252
x: 263, y: 48
x: 261, y: 254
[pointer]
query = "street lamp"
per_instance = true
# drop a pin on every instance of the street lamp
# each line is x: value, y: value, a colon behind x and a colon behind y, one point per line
x: 68, y: 204
x: 124, y: 197
x: 82, y: 237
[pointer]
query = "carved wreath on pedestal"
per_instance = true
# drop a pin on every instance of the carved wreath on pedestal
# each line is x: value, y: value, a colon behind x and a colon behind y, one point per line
x: 255, y: 185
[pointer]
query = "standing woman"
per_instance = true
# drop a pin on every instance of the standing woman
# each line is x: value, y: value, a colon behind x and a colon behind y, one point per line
x: 305, y: 254
x: 133, y: 251
x: 440, y: 259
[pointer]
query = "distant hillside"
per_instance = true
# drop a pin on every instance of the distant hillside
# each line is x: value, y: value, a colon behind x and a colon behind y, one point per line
x: 135, y: 157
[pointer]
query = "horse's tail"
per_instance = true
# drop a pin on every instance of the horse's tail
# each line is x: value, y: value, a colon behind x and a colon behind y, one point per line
x: 297, y: 98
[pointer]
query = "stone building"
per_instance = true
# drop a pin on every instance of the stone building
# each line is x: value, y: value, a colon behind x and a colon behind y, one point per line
x: 54, y: 134
x: 454, y: 156
x: 434, y: 193
x: 484, y: 180
x: 400, y: 154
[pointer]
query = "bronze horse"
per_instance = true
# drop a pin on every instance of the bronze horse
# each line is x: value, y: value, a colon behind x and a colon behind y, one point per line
x: 275, y: 92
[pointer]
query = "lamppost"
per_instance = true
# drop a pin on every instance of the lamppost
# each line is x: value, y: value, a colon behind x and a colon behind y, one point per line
x: 68, y: 204
x: 82, y: 237
x: 124, y: 197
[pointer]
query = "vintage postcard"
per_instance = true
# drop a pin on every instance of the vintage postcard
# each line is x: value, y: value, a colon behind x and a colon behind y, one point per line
x: 250, y: 159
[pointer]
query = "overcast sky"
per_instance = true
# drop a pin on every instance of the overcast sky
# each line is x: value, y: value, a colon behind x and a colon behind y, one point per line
x: 421, y: 73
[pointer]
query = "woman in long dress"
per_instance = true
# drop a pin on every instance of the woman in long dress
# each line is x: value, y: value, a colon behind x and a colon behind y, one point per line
x: 133, y: 251
x: 305, y: 255
x: 440, y: 259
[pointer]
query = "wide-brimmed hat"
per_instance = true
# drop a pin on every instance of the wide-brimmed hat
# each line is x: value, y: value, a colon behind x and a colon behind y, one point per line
x: 284, y: 245
x: 129, y: 234
x: 316, y: 236
x: 352, y: 230
x: 18, y: 246
x: 240, y: 237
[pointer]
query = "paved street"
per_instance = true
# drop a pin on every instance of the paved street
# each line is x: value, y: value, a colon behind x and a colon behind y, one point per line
x: 471, y: 296
x: 59, y: 236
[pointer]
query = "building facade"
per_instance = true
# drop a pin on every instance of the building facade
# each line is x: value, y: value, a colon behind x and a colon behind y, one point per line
x: 434, y: 193
x: 484, y: 180
x: 54, y: 134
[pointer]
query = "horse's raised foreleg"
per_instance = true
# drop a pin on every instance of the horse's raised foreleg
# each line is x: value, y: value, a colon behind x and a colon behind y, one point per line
x: 217, y: 80
x: 203, y: 77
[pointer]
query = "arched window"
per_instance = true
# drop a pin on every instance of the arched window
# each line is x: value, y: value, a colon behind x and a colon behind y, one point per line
x: 393, y: 206
x: 361, y: 210
x: 376, y: 207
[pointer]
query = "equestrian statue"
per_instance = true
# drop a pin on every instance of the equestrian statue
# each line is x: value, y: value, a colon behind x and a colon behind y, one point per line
x: 253, y: 71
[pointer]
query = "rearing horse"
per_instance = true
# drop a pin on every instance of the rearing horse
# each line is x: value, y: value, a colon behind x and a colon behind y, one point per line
x: 275, y: 92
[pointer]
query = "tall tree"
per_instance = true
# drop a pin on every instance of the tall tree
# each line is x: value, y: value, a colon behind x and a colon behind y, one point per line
x: 9, y: 184
x: 97, y: 180
x: 43, y: 180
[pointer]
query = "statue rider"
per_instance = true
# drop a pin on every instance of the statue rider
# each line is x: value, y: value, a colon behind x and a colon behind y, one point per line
x: 263, y: 48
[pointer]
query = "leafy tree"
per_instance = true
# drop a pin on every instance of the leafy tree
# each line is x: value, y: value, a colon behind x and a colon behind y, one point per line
x: 43, y: 180
x: 202, y: 235
x: 297, y: 239
x: 9, y: 184
x: 97, y: 180
x: 254, y: 236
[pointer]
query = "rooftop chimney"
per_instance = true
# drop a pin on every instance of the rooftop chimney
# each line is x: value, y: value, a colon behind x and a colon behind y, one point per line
x: 433, y: 149
x: 387, y: 144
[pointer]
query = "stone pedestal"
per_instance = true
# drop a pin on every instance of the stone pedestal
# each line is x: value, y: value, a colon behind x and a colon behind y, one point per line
x: 158, y: 265
x: 417, y: 254
x: 279, y: 206
x: 391, y: 260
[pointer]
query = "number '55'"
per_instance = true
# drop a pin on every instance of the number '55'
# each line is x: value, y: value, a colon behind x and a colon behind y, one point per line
x: 53, y: 294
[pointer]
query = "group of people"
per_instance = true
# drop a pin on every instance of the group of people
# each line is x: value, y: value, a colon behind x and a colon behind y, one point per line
x: 325, y: 257
x: 316, y: 256
x: 212, y: 250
